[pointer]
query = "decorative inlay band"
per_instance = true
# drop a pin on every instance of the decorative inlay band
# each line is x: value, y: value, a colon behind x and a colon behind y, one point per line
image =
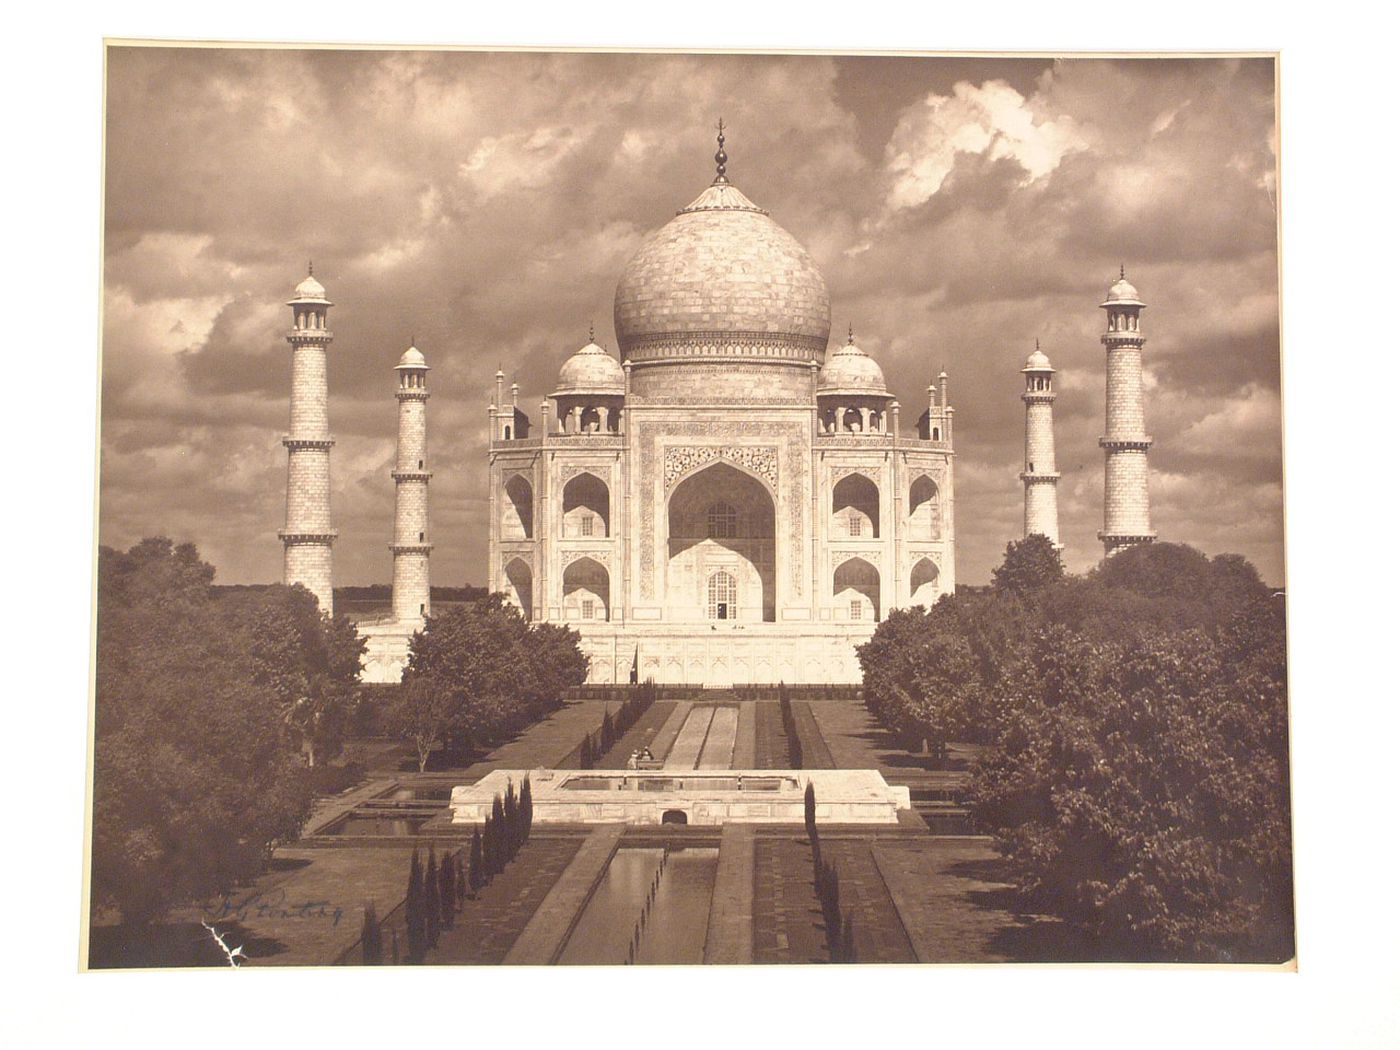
x: 300, y: 444
x: 680, y: 460
x: 411, y: 395
x: 410, y: 475
x: 410, y: 548
x: 600, y: 556
x: 1141, y: 444
x: 651, y: 346
x: 873, y: 473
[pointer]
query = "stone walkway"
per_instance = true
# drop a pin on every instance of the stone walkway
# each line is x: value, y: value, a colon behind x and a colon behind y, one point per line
x: 729, y: 940
x: 642, y: 734
x: 486, y: 928
x: 548, y: 929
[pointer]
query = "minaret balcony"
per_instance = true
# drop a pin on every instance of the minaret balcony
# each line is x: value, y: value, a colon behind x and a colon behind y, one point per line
x: 1132, y: 444
x: 411, y: 394
x: 411, y: 548
x: 295, y: 444
x: 309, y: 335
x: 290, y: 537
x: 410, y: 475
x: 1038, y: 397
x: 1028, y: 475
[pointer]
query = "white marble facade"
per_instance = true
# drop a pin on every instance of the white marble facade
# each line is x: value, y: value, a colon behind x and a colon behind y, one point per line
x: 723, y: 502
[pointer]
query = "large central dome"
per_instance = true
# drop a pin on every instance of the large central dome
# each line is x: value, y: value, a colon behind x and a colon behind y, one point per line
x: 722, y: 281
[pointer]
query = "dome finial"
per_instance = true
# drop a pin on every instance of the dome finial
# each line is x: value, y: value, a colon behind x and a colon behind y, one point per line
x: 1122, y: 272
x: 850, y: 334
x: 310, y: 269
x: 1037, y: 342
x: 721, y: 158
x: 590, y: 333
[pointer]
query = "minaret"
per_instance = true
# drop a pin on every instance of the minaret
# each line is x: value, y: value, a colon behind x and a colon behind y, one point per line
x: 1039, y: 476
x: 308, y: 536
x: 1125, y: 441
x: 412, y: 594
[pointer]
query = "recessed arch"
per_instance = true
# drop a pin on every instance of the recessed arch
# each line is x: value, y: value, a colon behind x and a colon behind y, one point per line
x: 855, y: 508
x: 518, y: 509
x: 925, y: 514
x: 923, y: 582
x: 585, y: 505
x: 520, y: 586
x: 720, y: 518
x: 855, y: 590
x: 586, y: 590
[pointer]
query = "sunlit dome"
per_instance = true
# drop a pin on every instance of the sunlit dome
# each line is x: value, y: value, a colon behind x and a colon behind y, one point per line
x: 1122, y: 292
x: 413, y: 358
x: 1038, y: 362
x: 592, y: 370
x: 851, y: 371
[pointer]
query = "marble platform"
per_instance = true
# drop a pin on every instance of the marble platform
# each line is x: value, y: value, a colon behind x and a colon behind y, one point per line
x: 698, y: 796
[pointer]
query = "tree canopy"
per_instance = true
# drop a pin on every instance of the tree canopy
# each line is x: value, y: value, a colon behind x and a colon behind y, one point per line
x: 479, y: 670
x: 1136, y: 771
x: 195, y: 772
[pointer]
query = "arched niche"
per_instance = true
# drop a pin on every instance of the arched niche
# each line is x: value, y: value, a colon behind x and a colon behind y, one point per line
x: 586, y: 590
x: 518, y: 509
x: 855, y: 590
x: 923, y: 583
x: 720, y: 518
x: 855, y: 508
x: 925, y: 515
x: 585, y: 505
x: 520, y: 586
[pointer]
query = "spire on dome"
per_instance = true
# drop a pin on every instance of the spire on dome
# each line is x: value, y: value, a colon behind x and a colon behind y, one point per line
x: 721, y: 158
x: 1122, y: 272
x: 590, y: 333
x: 850, y: 334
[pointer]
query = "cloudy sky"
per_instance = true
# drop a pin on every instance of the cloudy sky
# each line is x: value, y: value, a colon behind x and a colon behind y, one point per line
x: 485, y: 204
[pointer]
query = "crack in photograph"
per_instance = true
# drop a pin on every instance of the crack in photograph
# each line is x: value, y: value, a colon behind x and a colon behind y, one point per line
x: 527, y: 529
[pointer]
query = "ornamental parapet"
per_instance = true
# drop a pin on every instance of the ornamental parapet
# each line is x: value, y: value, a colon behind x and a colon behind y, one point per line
x: 410, y: 475
x: 617, y: 441
x: 308, y: 537
x: 497, y: 442
x: 1027, y: 475
x: 1038, y: 397
x: 309, y: 335
x: 1123, y: 539
x: 686, y: 346
x: 411, y: 548
x: 1117, y: 339
x: 411, y: 395
x: 300, y: 444
x: 1139, y: 444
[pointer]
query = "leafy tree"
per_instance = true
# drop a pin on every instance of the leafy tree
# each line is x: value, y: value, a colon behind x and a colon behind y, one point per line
x: 193, y: 783
x: 493, y: 672
x: 1142, y: 791
x: 421, y: 713
x: 1029, y: 565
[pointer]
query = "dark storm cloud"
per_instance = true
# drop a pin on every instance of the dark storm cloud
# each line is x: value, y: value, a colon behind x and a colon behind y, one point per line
x: 483, y: 206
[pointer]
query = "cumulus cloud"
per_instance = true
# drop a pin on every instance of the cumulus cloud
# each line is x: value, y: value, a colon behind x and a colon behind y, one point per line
x: 993, y: 120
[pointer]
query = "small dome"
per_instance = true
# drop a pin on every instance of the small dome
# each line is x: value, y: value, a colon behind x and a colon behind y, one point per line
x: 1123, y: 292
x: 310, y: 288
x: 413, y: 358
x: 591, y: 370
x: 1037, y: 362
x: 851, y: 371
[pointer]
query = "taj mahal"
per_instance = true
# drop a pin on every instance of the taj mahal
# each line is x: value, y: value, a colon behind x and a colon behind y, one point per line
x: 727, y: 499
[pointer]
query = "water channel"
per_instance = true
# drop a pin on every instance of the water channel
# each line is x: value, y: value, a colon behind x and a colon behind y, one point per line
x: 652, y: 905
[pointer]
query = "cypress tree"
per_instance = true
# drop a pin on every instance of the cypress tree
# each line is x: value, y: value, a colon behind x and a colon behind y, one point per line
x: 848, y: 940
x: 476, y: 871
x: 512, y: 825
x: 498, y: 837
x: 394, y: 936
x: 809, y: 813
x: 462, y: 887
x: 413, y: 908
x: 447, y: 889
x: 585, y: 753
x: 608, y: 731
x: 527, y: 807
x: 371, y: 937
x: 432, y: 913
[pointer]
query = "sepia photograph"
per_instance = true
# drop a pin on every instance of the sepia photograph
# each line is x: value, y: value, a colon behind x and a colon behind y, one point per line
x: 619, y: 508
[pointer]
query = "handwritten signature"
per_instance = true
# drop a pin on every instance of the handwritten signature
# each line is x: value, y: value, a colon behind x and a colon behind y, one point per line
x: 274, y: 905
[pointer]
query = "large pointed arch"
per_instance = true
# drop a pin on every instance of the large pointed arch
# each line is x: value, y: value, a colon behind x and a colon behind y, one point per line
x: 855, y: 507
x: 925, y: 513
x: 586, y: 505
x: 587, y: 590
x: 855, y: 590
x: 520, y: 586
x: 721, y: 517
x: 923, y: 582
x: 518, y: 509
